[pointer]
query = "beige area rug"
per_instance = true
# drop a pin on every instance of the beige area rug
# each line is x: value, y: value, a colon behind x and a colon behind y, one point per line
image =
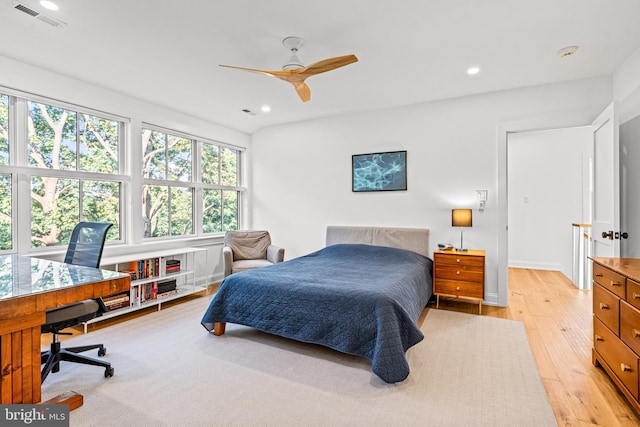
x: 468, y: 371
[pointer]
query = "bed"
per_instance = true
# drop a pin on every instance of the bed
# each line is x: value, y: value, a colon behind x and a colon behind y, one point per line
x: 362, y: 294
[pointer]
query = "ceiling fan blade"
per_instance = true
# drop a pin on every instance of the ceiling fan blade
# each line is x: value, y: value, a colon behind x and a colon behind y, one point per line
x: 328, y: 64
x: 253, y: 70
x: 303, y: 91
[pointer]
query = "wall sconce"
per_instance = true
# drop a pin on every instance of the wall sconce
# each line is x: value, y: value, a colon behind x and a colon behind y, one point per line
x: 461, y: 218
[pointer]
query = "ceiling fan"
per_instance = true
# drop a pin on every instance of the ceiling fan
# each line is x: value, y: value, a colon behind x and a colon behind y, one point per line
x: 296, y: 73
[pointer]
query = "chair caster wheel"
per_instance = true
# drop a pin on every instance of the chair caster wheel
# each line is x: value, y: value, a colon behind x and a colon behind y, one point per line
x: 108, y: 372
x: 102, y: 351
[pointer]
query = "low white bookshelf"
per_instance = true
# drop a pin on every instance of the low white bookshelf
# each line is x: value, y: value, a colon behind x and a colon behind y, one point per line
x: 148, y: 268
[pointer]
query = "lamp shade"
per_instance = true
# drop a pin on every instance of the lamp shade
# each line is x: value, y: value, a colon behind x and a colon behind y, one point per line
x: 461, y: 217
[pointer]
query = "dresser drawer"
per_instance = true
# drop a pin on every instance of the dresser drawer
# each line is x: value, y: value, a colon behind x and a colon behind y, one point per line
x: 610, y: 280
x: 458, y: 288
x: 460, y: 272
x: 606, y: 307
x: 630, y: 326
x: 617, y: 355
x: 457, y: 259
x: 633, y: 293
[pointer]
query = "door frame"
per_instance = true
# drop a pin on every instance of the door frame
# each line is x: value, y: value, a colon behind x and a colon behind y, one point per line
x: 557, y: 121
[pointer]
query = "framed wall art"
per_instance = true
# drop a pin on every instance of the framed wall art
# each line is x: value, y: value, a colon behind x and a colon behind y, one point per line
x: 379, y: 171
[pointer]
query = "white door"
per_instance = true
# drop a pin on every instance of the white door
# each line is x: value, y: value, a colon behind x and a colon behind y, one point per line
x: 605, y: 207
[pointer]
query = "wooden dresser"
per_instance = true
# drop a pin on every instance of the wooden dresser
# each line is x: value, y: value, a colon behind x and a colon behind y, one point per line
x: 459, y: 275
x: 616, y: 322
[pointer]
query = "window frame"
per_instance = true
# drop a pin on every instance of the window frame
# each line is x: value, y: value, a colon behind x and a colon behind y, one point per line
x: 196, y: 182
x: 22, y: 172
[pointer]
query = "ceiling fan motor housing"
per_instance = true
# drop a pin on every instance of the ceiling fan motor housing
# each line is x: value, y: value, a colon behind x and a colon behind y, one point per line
x: 293, y: 43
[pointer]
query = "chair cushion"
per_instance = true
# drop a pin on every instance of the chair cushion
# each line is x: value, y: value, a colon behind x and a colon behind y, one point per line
x: 248, y: 244
x: 248, y: 264
x: 72, y: 312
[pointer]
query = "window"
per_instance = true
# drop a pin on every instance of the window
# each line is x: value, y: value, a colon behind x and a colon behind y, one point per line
x: 167, y: 196
x: 4, y: 129
x: 5, y: 179
x: 220, y: 195
x: 82, y: 145
x: 5, y: 212
x: 70, y: 164
x: 61, y: 164
x: 173, y: 181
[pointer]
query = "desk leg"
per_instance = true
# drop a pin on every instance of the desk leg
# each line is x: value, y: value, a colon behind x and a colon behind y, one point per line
x: 20, y: 370
x: 71, y: 398
x: 20, y: 366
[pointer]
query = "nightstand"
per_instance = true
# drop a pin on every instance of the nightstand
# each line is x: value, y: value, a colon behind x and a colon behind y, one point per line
x: 459, y: 275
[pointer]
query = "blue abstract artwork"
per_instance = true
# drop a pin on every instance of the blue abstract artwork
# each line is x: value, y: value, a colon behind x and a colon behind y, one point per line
x: 379, y: 171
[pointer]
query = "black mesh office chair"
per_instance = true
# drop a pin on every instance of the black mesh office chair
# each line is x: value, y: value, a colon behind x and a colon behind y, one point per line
x: 85, y: 248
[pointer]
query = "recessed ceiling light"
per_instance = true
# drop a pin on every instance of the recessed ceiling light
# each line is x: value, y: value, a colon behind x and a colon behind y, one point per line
x: 49, y: 5
x: 265, y: 108
x: 473, y: 71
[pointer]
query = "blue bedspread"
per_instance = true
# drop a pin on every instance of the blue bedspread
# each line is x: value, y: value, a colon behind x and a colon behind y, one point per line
x: 358, y: 299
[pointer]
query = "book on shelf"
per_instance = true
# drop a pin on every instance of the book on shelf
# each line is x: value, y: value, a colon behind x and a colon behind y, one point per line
x: 111, y: 307
x: 166, y: 285
x: 143, y: 269
x: 132, y: 273
x: 149, y: 291
x: 152, y: 290
x: 172, y: 266
x: 113, y: 302
x: 168, y: 293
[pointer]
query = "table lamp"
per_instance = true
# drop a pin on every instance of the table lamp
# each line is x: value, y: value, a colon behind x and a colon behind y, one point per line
x: 461, y: 218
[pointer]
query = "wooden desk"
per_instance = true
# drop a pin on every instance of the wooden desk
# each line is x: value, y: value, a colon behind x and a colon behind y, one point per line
x: 29, y: 287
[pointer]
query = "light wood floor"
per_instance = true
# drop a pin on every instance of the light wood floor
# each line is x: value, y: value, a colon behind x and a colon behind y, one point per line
x: 558, y: 320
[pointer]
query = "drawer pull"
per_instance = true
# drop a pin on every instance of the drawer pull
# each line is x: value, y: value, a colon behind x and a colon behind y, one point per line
x: 457, y: 259
x: 615, y: 283
x: 457, y: 272
x: 457, y: 288
x: 625, y: 368
x: 636, y: 296
x: 598, y: 274
x: 604, y: 306
x: 636, y: 333
x: 598, y: 338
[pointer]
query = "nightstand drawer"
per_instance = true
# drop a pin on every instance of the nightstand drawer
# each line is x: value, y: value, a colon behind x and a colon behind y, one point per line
x: 460, y: 272
x: 606, y: 307
x: 459, y: 259
x: 458, y: 288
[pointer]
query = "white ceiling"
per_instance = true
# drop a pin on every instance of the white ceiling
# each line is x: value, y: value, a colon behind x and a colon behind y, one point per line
x: 410, y: 51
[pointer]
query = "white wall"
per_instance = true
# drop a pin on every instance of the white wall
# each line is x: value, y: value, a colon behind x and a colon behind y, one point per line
x: 301, y: 181
x: 626, y: 88
x: 545, y: 196
x: 26, y: 78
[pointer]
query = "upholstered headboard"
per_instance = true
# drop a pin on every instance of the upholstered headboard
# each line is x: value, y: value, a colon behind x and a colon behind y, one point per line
x: 413, y: 239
